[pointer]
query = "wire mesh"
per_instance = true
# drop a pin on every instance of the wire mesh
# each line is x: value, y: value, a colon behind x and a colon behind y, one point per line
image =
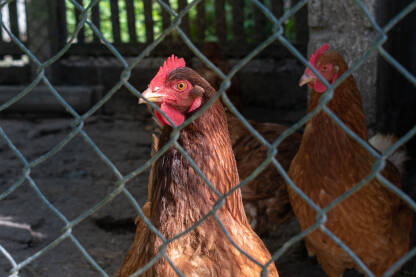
x: 120, y: 184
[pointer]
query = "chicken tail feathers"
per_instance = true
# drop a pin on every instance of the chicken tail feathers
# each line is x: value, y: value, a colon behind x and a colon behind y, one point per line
x: 383, y: 142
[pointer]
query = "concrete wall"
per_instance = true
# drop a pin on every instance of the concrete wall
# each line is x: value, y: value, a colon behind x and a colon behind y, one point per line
x: 347, y: 29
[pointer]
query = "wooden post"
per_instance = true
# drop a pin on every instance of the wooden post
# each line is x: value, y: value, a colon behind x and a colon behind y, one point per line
x: 131, y: 21
x: 185, y: 19
x: 43, y: 40
x: 13, y: 18
x: 301, y: 25
x: 95, y: 16
x: 14, y: 28
x: 200, y: 20
x: 259, y: 23
x: 148, y: 20
x: 115, y: 21
x: 220, y: 23
x: 81, y: 34
x: 165, y: 17
x: 238, y: 20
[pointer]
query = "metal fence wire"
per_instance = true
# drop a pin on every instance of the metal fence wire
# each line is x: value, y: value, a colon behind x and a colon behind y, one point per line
x: 120, y: 184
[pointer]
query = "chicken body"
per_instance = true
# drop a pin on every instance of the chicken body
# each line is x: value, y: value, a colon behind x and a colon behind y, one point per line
x: 179, y: 198
x: 373, y: 222
x: 265, y: 198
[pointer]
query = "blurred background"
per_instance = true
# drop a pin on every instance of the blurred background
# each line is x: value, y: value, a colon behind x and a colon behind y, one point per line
x: 86, y: 69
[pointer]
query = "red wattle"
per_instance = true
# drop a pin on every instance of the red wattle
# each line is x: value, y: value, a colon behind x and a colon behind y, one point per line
x: 174, y: 115
x: 319, y: 87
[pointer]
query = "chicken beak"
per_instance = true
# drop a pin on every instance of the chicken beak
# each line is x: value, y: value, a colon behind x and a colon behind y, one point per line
x: 152, y: 96
x: 305, y: 79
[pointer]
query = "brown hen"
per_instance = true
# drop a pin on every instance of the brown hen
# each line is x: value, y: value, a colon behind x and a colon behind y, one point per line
x: 265, y: 198
x: 179, y: 197
x: 373, y: 222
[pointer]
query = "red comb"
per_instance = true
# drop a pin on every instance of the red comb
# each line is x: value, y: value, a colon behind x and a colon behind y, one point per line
x: 170, y: 64
x: 319, y: 52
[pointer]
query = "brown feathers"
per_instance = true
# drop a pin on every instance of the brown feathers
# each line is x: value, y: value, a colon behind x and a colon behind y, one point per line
x: 265, y: 198
x: 179, y: 198
x: 374, y: 223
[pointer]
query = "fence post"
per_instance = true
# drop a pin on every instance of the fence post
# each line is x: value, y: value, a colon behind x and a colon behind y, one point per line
x: 42, y: 23
x: 301, y: 22
x: 347, y: 29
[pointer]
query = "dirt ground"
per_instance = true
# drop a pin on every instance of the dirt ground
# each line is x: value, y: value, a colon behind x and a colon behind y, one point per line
x: 76, y: 179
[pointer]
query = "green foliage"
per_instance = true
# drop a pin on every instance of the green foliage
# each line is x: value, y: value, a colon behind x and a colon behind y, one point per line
x: 70, y: 17
x: 248, y: 19
x: 192, y: 18
x: 140, y: 29
x: 290, y: 31
x: 210, y: 18
x: 105, y: 19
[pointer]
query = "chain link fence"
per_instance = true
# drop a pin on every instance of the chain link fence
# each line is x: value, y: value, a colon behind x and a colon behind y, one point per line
x: 77, y: 129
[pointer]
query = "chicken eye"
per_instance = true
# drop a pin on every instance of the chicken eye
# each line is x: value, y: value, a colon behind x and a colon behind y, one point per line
x: 325, y: 68
x: 180, y: 86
